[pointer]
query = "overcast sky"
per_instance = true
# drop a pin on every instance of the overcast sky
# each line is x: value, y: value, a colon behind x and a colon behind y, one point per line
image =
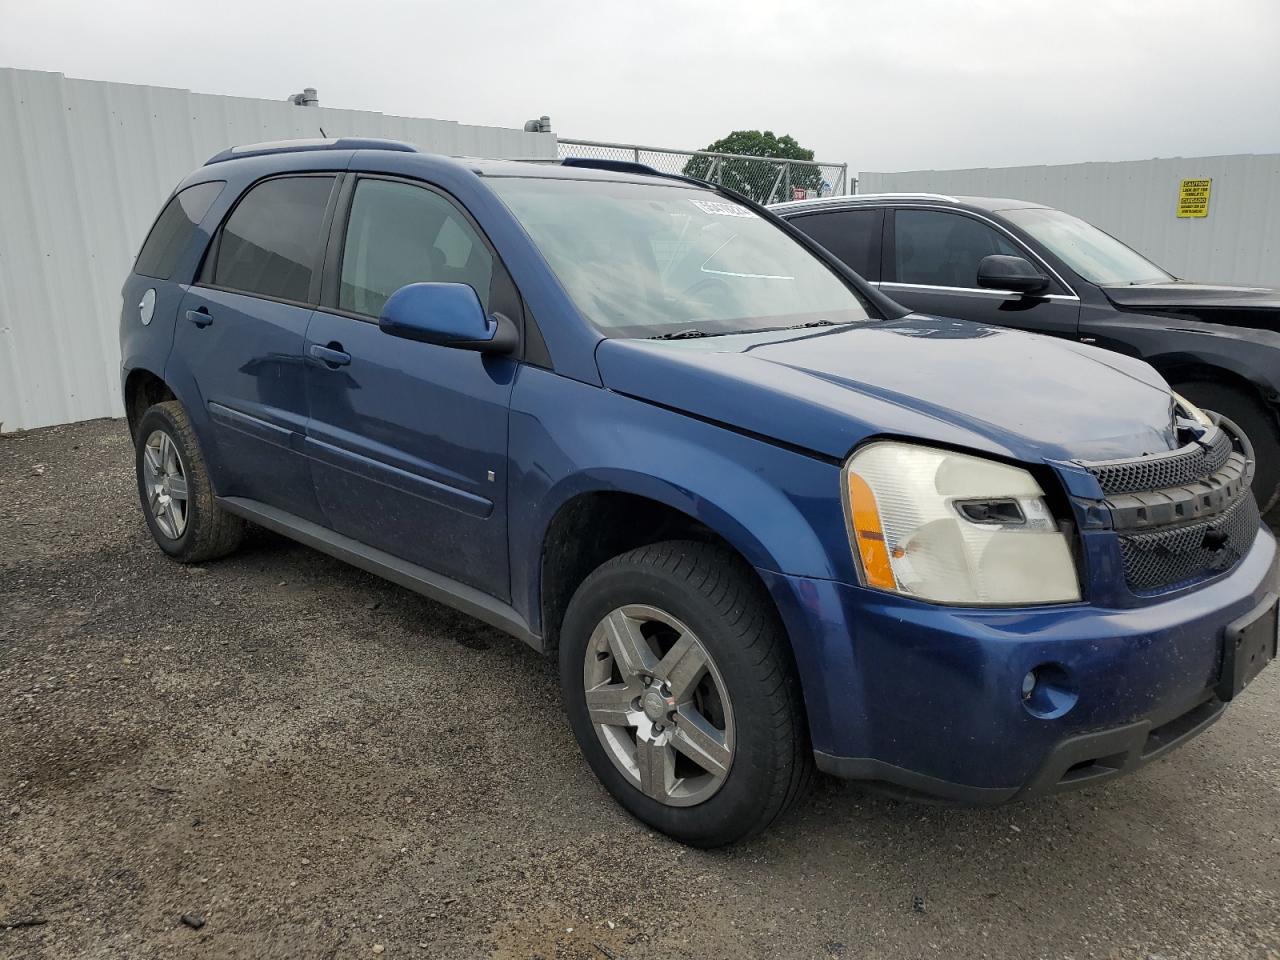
x: 881, y: 84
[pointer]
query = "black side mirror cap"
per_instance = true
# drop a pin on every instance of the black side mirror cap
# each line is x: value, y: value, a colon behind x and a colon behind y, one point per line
x: 999, y: 272
x: 505, y: 338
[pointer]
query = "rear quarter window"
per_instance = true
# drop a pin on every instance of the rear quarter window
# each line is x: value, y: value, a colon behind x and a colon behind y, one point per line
x: 172, y: 230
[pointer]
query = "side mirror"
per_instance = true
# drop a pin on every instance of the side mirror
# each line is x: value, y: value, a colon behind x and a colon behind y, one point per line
x: 448, y: 315
x: 998, y: 272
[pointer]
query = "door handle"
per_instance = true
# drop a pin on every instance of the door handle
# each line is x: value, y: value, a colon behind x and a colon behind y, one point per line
x: 201, y: 317
x: 332, y: 356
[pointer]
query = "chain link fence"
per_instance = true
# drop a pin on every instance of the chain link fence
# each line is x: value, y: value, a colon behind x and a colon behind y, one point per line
x: 763, y: 179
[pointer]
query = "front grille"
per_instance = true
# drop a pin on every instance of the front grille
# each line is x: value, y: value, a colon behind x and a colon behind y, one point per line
x: 1166, y: 557
x: 1181, y: 516
x: 1193, y: 462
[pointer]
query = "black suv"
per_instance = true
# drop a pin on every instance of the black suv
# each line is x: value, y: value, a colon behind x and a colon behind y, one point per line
x: 1024, y: 265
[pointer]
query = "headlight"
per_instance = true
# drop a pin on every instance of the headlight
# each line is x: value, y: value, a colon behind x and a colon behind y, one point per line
x: 1196, y: 414
x: 953, y: 528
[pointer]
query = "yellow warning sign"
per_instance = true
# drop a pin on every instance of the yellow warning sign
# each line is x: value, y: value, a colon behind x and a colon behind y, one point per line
x: 1193, y: 198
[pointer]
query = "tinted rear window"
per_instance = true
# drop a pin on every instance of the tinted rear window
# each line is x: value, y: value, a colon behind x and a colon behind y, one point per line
x: 852, y: 235
x: 271, y: 244
x: 168, y: 238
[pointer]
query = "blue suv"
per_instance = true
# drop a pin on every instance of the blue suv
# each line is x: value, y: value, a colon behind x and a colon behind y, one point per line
x: 765, y: 518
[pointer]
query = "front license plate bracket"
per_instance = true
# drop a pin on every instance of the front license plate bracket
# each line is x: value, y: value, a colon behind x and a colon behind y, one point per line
x: 1249, y: 644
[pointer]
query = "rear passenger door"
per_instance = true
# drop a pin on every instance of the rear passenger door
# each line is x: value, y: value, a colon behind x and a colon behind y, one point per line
x: 930, y: 264
x: 853, y: 236
x: 240, y: 332
x: 409, y: 440
x: 158, y: 283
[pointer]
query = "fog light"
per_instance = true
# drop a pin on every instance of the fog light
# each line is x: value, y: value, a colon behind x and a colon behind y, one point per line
x: 1048, y: 691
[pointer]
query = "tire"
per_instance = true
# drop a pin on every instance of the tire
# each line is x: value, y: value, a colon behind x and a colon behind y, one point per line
x: 204, y: 531
x: 710, y: 593
x: 1259, y: 425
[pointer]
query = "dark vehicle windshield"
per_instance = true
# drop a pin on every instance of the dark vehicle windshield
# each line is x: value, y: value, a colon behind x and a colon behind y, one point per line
x: 1098, y: 257
x: 646, y: 260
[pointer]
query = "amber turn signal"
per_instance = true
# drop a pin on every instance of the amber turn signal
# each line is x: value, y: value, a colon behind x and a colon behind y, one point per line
x: 869, y: 535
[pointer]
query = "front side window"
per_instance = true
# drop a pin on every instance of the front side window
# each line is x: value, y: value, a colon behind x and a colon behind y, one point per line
x: 644, y: 260
x: 399, y: 234
x: 1098, y: 257
x: 271, y: 245
x: 852, y: 235
x: 938, y: 249
x: 168, y: 238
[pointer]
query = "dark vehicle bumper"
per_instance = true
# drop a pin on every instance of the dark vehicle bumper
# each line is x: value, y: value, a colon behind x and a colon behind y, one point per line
x: 929, y: 700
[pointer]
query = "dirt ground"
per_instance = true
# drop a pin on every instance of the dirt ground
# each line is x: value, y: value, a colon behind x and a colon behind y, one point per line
x: 320, y: 764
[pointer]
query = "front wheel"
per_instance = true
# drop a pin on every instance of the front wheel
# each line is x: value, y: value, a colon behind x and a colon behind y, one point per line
x: 1258, y: 424
x: 682, y: 693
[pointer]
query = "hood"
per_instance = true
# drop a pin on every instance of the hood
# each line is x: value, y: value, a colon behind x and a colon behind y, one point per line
x: 1015, y: 394
x: 1184, y: 293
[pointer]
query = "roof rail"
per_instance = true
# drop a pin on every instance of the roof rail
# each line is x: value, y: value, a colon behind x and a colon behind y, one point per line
x: 617, y: 166
x: 844, y: 199
x: 631, y: 166
x: 297, y: 146
x: 902, y: 196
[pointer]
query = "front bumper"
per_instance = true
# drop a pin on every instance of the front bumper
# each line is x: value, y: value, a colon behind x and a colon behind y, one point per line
x: 929, y: 698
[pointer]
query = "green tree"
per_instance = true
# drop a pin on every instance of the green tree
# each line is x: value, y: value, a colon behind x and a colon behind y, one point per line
x: 758, y: 179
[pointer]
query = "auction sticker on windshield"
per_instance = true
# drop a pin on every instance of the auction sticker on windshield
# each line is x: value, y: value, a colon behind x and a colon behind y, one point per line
x: 721, y: 208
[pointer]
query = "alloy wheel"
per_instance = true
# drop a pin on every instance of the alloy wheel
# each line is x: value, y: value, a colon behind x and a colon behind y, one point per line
x: 165, y: 482
x: 659, y: 705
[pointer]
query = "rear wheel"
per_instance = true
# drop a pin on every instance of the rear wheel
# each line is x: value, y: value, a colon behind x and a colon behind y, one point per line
x: 173, y: 485
x: 681, y: 691
x: 1258, y: 424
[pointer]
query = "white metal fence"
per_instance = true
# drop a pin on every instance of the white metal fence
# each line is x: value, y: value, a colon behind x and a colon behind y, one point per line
x: 1136, y: 201
x: 84, y: 167
x: 763, y: 179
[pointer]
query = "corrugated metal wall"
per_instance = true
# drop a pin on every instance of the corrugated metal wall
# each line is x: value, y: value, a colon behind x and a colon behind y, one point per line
x: 84, y: 167
x: 1238, y: 242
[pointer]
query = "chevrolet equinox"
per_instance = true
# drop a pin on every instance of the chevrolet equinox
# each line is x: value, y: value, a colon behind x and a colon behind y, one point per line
x: 767, y: 519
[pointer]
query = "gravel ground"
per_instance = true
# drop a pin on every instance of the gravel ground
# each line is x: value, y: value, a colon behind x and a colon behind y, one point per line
x: 320, y: 764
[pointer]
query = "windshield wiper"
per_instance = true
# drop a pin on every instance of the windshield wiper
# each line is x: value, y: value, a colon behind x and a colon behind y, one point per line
x: 690, y: 334
x: 805, y: 326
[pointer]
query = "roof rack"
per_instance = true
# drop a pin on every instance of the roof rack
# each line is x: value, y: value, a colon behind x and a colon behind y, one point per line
x: 617, y: 166
x: 643, y: 169
x: 902, y: 196
x: 298, y: 146
x: 839, y: 200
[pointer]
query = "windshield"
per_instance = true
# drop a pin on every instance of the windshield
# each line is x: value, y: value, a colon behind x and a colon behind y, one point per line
x: 645, y: 260
x: 1096, y: 256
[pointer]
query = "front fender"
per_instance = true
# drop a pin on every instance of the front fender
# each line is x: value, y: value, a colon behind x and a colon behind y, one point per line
x: 1177, y: 346
x: 1256, y: 364
x: 779, y: 508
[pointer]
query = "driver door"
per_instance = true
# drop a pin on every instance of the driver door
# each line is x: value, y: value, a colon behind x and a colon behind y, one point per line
x: 930, y: 264
x: 408, y: 440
